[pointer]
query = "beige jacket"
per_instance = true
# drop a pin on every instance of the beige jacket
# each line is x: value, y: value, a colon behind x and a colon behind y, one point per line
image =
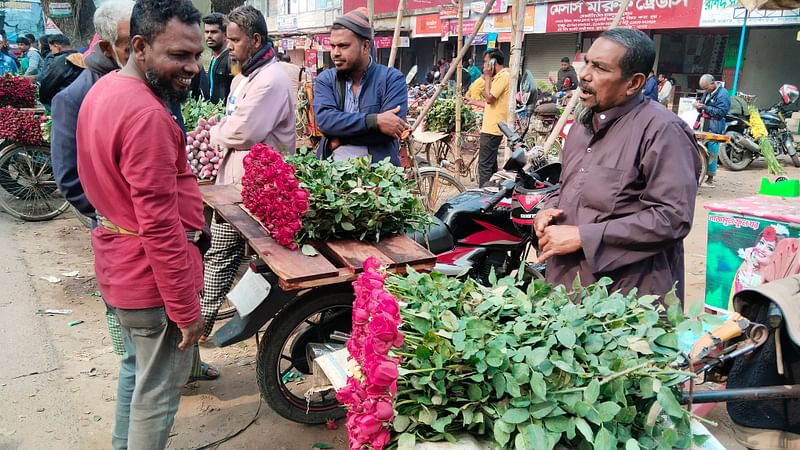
x: 260, y: 111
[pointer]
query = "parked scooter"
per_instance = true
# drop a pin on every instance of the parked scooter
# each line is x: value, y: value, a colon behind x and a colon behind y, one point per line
x: 743, y: 148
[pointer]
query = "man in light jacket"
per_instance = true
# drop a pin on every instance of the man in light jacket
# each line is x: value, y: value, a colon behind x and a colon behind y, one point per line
x: 260, y: 109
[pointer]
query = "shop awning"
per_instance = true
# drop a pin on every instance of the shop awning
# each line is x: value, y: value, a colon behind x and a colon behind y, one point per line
x: 752, y: 5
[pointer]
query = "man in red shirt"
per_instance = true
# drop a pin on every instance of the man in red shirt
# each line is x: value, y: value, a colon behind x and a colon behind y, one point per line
x: 132, y: 165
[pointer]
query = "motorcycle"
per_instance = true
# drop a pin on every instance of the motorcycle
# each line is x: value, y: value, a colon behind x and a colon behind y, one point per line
x: 475, y: 233
x: 481, y: 231
x: 743, y: 148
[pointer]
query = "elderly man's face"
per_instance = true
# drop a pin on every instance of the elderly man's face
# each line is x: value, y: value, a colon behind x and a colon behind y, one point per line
x: 602, y: 83
x: 706, y: 86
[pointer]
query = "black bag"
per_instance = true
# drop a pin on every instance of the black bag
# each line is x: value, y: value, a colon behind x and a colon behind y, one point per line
x: 760, y: 369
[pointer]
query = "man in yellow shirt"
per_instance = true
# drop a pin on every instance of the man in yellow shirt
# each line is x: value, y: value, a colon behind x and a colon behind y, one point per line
x: 495, y: 91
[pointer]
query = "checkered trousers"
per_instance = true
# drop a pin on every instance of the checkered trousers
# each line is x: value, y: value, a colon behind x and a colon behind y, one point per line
x: 220, y: 265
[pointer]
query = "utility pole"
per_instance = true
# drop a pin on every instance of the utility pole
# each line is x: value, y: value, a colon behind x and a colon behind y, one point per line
x: 396, y: 37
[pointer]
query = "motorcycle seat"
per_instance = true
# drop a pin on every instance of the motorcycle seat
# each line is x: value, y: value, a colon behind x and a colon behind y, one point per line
x: 439, y: 239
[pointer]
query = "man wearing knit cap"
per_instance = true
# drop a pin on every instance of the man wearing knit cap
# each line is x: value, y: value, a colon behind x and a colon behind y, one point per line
x: 361, y: 106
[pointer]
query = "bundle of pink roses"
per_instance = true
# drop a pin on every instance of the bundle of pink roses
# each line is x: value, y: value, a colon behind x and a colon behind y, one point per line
x: 271, y: 192
x: 370, y: 391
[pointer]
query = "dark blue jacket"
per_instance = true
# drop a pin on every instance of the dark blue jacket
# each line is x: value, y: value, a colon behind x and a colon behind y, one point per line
x: 382, y: 89
x: 717, y: 104
x: 651, y: 88
x: 63, y: 146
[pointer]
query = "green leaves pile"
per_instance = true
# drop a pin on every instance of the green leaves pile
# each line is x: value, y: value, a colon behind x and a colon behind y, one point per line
x: 194, y: 110
x: 533, y: 370
x: 442, y: 116
x: 355, y: 199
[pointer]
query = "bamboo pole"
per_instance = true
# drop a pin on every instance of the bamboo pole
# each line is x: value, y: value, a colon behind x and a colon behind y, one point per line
x: 453, y: 67
x: 371, y: 12
x: 396, y: 37
x: 576, y: 93
x: 515, y: 63
x: 459, y: 81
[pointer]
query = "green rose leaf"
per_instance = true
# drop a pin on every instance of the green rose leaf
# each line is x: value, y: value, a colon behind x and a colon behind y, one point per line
x: 516, y: 415
x: 667, y: 400
x: 566, y: 337
x: 406, y: 441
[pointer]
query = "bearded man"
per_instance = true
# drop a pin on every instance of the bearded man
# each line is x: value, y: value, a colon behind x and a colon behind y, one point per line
x: 628, y: 182
x: 260, y: 109
x: 133, y: 168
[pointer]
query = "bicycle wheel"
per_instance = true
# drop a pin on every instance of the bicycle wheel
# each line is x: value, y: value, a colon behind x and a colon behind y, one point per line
x: 29, y: 189
x: 436, y: 186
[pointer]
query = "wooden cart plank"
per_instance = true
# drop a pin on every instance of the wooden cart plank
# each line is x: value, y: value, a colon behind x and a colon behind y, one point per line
x: 352, y: 253
x: 216, y: 196
x: 292, y: 266
x: 241, y: 221
x: 405, y: 251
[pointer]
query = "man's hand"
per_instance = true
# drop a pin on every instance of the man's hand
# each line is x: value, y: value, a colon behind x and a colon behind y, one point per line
x: 558, y: 240
x: 390, y: 124
x: 699, y: 105
x: 544, y: 219
x: 192, y: 333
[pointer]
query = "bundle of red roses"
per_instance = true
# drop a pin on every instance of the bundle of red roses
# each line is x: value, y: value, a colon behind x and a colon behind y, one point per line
x: 271, y: 192
x: 22, y: 127
x: 370, y: 391
x: 17, y: 92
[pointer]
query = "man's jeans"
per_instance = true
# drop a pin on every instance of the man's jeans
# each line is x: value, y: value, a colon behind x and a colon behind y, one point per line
x: 151, y: 377
x: 713, y: 154
x: 487, y: 161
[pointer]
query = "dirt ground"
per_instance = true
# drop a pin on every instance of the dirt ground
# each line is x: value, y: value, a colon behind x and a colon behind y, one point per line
x: 58, y: 383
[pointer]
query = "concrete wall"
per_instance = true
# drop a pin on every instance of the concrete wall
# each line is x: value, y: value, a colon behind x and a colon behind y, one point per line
x: 772, y: 58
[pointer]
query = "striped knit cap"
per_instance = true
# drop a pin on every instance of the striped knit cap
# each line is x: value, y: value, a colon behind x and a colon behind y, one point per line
x: 357, y: 22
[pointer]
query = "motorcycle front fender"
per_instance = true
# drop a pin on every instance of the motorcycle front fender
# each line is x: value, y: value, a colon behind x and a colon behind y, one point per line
x: 241, y: 328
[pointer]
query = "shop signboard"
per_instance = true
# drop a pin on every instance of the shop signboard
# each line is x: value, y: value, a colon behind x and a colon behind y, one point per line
x: 595, y: 15
x: 311, y: 58
x: 324, y: 40
x: 428, y: 25
x: 60, y: 10
x: 287, y: 23
x: 729, y: 13
x: 499, y: 7
x: 390, y: 6
x: 386, y: 42
x: 451, y: 12
x: 503, y: 22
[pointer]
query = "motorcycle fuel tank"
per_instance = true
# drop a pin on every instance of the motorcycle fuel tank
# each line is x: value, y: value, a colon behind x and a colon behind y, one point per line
x: 772, y: 120
x: 471, y: 224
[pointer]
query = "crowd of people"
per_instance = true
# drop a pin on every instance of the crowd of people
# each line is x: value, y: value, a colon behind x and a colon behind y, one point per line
x: 118, y: 145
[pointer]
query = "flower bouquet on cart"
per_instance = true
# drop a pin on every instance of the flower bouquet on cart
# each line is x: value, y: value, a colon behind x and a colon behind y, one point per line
x: 433, y: 357
x: 300, y: 199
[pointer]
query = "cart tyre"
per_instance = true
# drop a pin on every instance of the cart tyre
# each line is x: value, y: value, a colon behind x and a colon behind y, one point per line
x: 796, y: 160
x: 269, y: 357
x: 702, y: 153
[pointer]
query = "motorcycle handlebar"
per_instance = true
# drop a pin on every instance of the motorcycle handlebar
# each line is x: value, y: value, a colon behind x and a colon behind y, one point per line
x: 505, y: 189
x: 512, y: 136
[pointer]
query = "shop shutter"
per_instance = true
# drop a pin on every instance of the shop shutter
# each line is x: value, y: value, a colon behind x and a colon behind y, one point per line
x: 543, y: 52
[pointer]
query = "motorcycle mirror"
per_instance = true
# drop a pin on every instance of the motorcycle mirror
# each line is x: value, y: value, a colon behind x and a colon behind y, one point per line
x: 411, y: 74
x: 517, y: 161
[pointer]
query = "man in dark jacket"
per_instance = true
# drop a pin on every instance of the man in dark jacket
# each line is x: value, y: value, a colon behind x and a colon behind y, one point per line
x: 219, y: 71
x: 65, y: 67
x: 651, y: 87
x: 361, y: 106
x: 713, y: 108
x: 567, y: 77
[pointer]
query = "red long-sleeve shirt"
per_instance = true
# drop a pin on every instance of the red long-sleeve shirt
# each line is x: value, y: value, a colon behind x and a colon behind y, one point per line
x: 132, y: 164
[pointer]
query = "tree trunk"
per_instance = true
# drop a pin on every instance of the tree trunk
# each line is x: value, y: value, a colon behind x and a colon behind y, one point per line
x: 225, y: 6
x: 79, y: 27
